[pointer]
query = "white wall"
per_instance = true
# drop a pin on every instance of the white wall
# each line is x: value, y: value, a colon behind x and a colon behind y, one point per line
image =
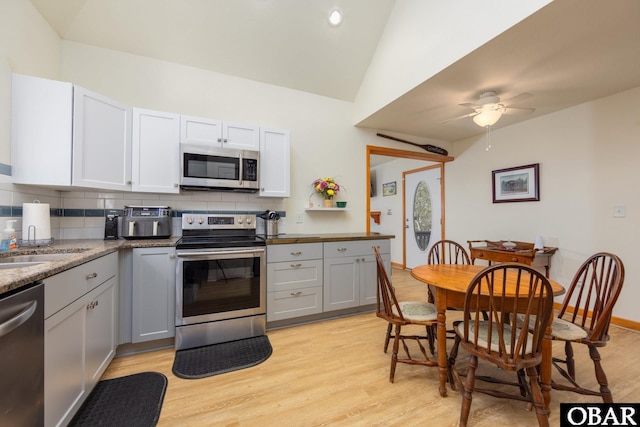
x: 588, y: 158
x: 422, y: 38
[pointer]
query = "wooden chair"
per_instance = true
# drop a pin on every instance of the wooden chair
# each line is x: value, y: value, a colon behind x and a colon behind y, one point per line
x: 399, y: 313
x: 498, y: 340
x: 446, y: 252
x: 585, y: 316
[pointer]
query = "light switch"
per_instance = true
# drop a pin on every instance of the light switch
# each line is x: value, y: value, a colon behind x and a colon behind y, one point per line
x: 299, y: 218
x: 619, y: 211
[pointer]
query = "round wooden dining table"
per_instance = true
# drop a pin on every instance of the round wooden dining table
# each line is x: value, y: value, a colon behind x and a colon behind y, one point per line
x: 451, y: 282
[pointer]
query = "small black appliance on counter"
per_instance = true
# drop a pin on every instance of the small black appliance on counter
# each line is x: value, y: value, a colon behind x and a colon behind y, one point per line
x: 146, y: 222
x: 111, y: 227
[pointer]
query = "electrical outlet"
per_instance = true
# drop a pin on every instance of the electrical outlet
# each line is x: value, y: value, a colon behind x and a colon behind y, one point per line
x: 299, y: 218
x: 619, y: 211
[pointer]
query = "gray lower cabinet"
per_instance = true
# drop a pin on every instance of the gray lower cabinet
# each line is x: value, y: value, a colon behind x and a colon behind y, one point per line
x: 350, y: 272
x: 153, y: 294
x: 294, y: 280
x: 81, y: 323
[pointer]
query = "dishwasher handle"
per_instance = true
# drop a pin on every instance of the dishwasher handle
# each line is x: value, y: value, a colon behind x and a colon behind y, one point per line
x: 18, y: 320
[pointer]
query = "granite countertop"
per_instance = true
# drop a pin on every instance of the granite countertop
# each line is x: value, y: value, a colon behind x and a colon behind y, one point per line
x: 329, y: 237
x: 83, y: 250
x: 90, y: 249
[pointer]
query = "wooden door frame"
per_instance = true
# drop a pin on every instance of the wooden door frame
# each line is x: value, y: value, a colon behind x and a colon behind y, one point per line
x: 404, y: 154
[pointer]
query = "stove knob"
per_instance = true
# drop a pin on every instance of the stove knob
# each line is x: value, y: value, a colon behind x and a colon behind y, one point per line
x: 189, y: 220
x: 199, y: 220
x: 240, y: 220
x: 248, y: 220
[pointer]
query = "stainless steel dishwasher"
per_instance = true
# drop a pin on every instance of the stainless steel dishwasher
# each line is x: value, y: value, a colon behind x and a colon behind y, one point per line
x: 22, y: 356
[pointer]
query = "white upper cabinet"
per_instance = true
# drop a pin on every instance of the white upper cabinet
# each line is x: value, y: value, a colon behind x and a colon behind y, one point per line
x: 101, y: 142
x: 274, y: 163
x: 41, y: 131
x: 215, y: 133
x: 155, y: 166
x: 62, y: 139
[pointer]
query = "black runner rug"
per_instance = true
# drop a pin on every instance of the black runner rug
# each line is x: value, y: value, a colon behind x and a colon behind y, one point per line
x: 220, y: 358
x: 134, y: 400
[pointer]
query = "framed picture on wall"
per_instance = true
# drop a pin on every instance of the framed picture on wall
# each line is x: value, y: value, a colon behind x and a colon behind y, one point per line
x: 518, y: 184
x: 389, y: 189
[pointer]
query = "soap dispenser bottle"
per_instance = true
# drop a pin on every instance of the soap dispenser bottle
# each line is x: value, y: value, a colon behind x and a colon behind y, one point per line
x: 9, y: 238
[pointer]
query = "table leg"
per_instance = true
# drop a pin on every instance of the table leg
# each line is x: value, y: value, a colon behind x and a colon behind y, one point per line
x: 441, y: 307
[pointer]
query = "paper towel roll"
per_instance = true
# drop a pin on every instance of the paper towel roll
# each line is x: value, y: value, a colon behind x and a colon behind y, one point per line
x: 36, y: 215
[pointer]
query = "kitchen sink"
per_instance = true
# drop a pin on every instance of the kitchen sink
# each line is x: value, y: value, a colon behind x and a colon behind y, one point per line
x: 17, y: 261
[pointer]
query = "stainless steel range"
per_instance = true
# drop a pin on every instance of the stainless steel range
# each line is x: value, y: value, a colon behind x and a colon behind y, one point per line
x: 220, y: 280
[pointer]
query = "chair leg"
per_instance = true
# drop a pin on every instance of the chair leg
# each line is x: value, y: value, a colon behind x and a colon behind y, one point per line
x: 394, y: 355
x: 468, y: 390
x: 607, y: 397
x: 451, y: 361
x: 571, y: 366
x: 386, y: 339
x: 431, y: 337
x: 538, y: 400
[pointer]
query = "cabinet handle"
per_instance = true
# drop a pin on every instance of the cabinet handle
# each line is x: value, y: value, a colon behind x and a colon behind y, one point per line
x: 129, y: 182
x: 92, y: 276
x: 92, y: 305
x: 296, y: 253
x: 225, y: 140
x: 219, y: 139
x: 296, y: 294
x: 172, y: 256
x: 342, y: 249
x: 296, y: 265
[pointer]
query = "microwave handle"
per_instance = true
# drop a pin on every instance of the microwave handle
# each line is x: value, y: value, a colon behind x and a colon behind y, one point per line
x: 241, y: 168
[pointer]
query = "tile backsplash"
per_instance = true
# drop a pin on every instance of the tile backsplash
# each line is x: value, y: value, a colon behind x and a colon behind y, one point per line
x: 81, y: 214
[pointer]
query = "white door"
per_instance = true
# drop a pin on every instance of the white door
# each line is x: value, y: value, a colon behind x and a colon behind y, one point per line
x: 423, y: 210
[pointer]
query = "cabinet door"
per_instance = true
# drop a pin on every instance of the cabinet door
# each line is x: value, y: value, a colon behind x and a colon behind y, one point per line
x: 155, y: 165
x: 101, y: 142
x: 240, y: 137
x: 369, y: 277
x: 200, y: 130
x: 341, y: 283
x: 64, y: 363
x: 101, y: 326
x: 274, y: 163
x: 41, y: 131
x: 154, y: 294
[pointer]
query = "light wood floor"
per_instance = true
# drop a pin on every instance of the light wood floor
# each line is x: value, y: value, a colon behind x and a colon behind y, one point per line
x: 335, y: 373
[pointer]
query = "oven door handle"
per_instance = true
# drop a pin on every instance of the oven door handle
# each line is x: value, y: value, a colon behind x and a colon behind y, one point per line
x: 225, y: 252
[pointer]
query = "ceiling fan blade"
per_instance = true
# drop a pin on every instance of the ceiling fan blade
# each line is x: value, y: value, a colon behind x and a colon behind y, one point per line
x: 518, y: 111
x: 516, y: 99
x: 470, y: 105
x: 459, y: 117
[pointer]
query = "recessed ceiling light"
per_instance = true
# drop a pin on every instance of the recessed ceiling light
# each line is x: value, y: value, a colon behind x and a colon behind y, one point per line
x: 335, y: 17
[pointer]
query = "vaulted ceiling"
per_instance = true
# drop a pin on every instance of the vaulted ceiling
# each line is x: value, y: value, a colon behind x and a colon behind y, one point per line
x: 569, y: 52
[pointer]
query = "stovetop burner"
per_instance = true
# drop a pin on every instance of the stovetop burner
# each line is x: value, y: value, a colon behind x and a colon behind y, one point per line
x: 218, y: 231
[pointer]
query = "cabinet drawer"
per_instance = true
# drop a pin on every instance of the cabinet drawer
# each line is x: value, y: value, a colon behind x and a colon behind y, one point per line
x: 294, y: 252
x: 283, y: 276
x: 355, y: 248
x: 64, y: 288
x: 294, y: 303
x: 502, y: 257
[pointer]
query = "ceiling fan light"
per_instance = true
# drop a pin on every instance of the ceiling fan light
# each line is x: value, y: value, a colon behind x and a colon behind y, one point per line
x: 335, y: 17
x: 487, y: 118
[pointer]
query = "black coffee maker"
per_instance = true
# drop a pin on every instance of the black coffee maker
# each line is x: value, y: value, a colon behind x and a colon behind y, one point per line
x: 111, y: 227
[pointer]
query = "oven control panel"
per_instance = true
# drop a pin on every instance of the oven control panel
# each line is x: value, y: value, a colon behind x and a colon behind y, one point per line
x: 218, y: 221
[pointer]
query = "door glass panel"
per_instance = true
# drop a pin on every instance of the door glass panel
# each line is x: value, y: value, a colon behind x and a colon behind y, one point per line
x: 422, y: 215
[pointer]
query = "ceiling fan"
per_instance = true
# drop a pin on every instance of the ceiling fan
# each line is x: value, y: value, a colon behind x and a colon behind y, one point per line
x: 488, y: 109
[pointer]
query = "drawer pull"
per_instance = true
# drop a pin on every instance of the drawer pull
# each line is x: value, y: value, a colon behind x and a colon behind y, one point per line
x: 296, y: 294
x: 342, y: 249
x: 296, y: 265
x: 514, y: 259
x: 296, y: 253
x: 92, y: 276
x: 92, y: 305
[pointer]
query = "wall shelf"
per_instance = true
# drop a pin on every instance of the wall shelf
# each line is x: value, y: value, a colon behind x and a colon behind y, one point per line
x: 326, y: 209
x: 376, y: 216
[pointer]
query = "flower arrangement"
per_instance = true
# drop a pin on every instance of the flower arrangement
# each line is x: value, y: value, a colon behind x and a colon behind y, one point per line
x: 328, y: 187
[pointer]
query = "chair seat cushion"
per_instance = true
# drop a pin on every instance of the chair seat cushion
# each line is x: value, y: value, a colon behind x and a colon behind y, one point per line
x: 562, y: 329
x: 483, y: 335
x: 417, y: 311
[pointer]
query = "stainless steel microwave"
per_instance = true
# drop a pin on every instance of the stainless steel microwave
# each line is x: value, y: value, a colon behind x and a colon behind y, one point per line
x: 222, y: 169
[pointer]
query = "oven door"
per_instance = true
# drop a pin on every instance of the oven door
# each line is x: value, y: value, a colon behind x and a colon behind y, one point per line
x: 222, y: 284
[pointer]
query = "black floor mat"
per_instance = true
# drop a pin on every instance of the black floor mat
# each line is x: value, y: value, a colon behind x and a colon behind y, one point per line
x: 134, y: 400
x: 220, y: 358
